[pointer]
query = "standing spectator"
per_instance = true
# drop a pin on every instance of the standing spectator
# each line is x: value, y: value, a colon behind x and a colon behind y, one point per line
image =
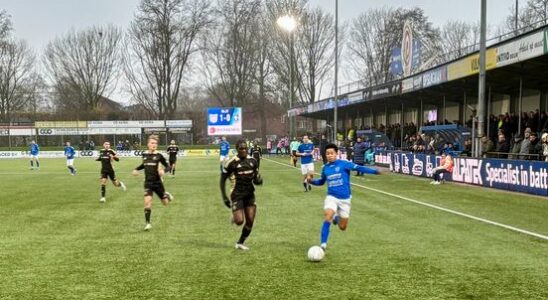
x: 516, y: 147
x: 268, y: 146
x: 525, y: 146
x: 486, y: 147
x: 323, y: 143
x: 535, y: 148
x: 544, y: 141
x: 502, y: 146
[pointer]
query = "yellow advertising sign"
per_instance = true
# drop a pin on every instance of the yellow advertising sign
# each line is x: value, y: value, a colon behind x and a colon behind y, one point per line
x: 61, y: 124
x: 470, y: 65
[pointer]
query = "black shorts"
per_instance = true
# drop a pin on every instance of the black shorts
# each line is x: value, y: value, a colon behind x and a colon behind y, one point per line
x: 155, y: 187
x: 108, y: 174
x: 172, y: 160
x: 240, y: 200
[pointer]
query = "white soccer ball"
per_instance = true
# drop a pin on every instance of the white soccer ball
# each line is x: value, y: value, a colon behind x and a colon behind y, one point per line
x: 316, y: 253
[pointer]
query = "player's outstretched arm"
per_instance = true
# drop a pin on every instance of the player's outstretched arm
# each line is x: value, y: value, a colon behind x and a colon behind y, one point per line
x: 320, y: 181
x: 165, y: 164
x: 367, y: 170
x: 139, y: 168
x: 222, y: 184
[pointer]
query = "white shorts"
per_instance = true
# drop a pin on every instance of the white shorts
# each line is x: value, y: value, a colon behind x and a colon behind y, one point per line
x: 222, y: 158
x: 34, y: 156
x: 307, y: 168
x: 70, y: 162
x: 340, y: 206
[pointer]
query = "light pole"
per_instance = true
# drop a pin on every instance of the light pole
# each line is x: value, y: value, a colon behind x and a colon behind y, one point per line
x: 289, y: 23
x: 335, y: 120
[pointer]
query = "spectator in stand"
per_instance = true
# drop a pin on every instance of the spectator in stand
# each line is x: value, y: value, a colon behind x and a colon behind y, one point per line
x: 535, y: 148
x: 525, y: 146
x: 486, y: 147
x: 502, y: 146
x: 359, y: 154
x: 516, y: 147
x: 544, y: 141
x: 467, y: 151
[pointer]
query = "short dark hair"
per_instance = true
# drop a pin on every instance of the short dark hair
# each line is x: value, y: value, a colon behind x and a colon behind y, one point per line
x: 332, y: 146
x: 239, y: 143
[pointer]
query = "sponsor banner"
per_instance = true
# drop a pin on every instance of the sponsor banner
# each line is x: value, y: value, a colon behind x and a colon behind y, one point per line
x: 154, y: 130
x: 179, y: 123
x: 62, y: 131
x: 385, y: 90
x: 100, y: 130
x: 22, y: 131
x: 470, y: 65
x: 126, y: 124
x: 529, y: 177
x: 224, y: 121
x: 179, y: 130
x: 355, y: 98
x: 407, y: 85
x: 417, y: 82
x: 434, y: 77
x: 12, y: 154
x: 61, y: 124
x: 527, y: 47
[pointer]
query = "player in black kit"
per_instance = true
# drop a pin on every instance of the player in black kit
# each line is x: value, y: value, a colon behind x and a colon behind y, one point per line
x: 153, y: 177
x: 106, y: 156
x: 244, y: 174
x: 172, y: 150
x: 257, y: 153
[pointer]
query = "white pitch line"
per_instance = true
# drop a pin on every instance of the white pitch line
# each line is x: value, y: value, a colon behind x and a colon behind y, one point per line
x: 523, y: 231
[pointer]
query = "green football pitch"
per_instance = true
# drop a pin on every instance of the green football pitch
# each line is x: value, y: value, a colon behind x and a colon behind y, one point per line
x: 406, y: 238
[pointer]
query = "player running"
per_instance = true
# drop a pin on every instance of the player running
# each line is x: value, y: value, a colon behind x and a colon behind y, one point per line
x: 244, y: 174
x: 172, y: 150
x: 34, y: 153
x: 337, y: 202
x: 257, y: 153
x: 69, y: 153
x: 153, y: 177
x: 224, y: 149
x: 294, y: 146
x: 305, y: 152
x: 106, y: 156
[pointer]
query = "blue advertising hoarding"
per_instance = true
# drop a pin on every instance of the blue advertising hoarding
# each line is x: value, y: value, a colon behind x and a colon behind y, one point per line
x: 224, y: 121
x: 523, y: 176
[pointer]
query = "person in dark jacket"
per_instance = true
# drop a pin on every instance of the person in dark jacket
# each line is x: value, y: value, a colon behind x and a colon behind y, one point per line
x: 502, y: 146
x: 359, y: 154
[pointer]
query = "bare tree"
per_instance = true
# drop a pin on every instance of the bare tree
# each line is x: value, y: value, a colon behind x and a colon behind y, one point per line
x: 523, y: 22
x: 317, y: 52
x: 283, y: 54
x: 160, y: 41
x: 376, y: 32
x: 16, y: 63
x: 5, y: 25
x: 540, y: 10
x: 85, y: 61
x: 459, y: 38
x: 231, y: 49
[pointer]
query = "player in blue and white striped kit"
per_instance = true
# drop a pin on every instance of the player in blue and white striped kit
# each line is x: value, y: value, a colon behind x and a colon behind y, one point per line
x: 34, y: 152
x: 69, y: 153
x: 337, y: 203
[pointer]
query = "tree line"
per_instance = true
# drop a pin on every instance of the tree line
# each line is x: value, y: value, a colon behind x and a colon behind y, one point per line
x: 176, y: 55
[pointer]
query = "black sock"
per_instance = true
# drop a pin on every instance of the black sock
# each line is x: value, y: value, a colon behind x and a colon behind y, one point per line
x: 245, y: 233
x: 172, y: 171
x: 103, y: 191
x: 71, y: 169
x: 148, y: 212
x: 31, y: 164
x: 38, y: 164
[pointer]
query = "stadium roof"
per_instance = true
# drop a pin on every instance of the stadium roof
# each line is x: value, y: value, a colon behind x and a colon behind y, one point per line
x: 523, y: 56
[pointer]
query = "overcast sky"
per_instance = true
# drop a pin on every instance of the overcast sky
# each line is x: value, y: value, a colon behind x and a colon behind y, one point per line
x: 39, y: 21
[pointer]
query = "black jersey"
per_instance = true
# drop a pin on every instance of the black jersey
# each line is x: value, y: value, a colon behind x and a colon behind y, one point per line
x: 172, y: 150
x: 151, y: 161
x: 105, y: 157
x: 256, y: 152
x: 241, y: 173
